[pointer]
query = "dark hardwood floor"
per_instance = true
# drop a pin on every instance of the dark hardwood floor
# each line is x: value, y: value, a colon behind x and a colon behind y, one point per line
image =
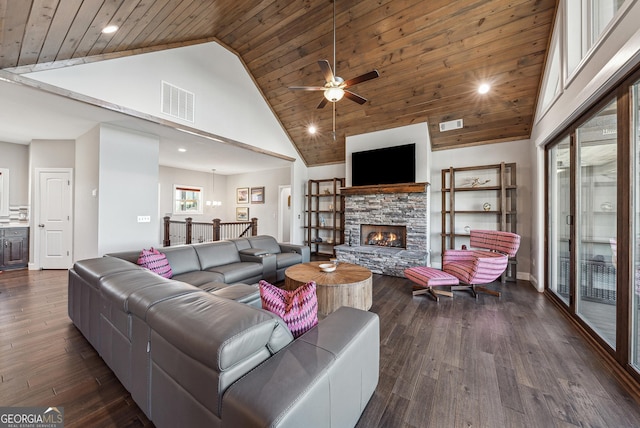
x: 508, y: 362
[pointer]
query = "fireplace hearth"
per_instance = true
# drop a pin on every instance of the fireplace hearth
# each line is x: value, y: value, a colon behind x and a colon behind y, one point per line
x: 383, y: 235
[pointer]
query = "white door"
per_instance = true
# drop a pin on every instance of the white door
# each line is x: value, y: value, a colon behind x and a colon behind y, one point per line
x: 284, y: 211
x: 54, y: 232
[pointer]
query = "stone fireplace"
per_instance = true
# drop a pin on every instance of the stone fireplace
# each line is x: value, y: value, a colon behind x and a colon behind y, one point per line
x: 386, y: 227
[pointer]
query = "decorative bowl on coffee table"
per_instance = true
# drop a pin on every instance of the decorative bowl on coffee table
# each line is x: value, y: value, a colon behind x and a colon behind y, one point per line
x: 327, y: 267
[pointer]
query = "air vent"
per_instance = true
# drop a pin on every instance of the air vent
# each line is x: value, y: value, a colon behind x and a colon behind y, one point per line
x: 451, y: 125
x: 177, y: 102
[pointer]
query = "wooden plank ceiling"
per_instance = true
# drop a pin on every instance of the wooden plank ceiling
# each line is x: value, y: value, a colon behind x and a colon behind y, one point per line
x: 431, y: 56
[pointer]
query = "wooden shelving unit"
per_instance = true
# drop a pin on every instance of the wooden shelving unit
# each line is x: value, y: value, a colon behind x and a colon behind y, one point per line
x: 478, y: 197
x: 324, y: 215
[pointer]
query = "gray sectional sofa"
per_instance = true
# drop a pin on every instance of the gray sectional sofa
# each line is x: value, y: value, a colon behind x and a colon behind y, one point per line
x: 245, y: 260
x: 192, y: 354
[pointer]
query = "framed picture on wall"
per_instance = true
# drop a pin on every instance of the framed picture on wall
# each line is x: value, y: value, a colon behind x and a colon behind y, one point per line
x: 257, y: 195
x: 242, y: 195
x: 242, y: 213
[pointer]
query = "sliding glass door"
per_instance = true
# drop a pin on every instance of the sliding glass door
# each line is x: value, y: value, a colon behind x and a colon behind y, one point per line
x: 596, y: 187
x: 559, y: 181
x: 582, y: 180
x: 634, y: 276
x: 593, y: 222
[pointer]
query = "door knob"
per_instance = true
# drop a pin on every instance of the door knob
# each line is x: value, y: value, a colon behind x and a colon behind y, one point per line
x: 41, y: 225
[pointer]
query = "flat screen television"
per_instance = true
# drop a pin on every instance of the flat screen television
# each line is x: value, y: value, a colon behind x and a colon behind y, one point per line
x: 389, y: 165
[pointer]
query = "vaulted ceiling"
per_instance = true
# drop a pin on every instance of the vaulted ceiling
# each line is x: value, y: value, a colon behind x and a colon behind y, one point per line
x: 431, y: 56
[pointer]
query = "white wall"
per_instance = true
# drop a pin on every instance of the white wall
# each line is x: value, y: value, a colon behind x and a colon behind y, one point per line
x: 214, y: 187
x: 225, y: 94
x: 51, y: 154
x: 418, y: 134
x: 15, y: 157
x: 267, y: 213
x: 337, y: 170
x: 518, y: 152
x: 128, y: 188
x: 299, y: 177
x: 86, y: 192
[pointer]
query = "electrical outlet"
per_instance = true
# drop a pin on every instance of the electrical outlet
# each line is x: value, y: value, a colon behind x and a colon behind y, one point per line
x: 144, y: 219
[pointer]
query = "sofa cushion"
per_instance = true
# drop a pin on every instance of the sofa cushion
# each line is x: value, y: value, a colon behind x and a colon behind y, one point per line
x: 210, y: 287
x: 91, y: 270
x: 284, y: 260
x: 298, y: 308
x: 156, y: 262
x: 199, y: 277
x: 182, y: 258
x: 242, y: 293
x: 130, y: 256
x: 241, y: 243
x: 219, y: 253
x: 141, y: 300
x: 117, y: 287
x: 237, y: 272
x: 265, y: 242
x: 224, y: 332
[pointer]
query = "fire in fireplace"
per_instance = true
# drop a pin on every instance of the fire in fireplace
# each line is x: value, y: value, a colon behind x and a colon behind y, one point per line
x: 383, y: 235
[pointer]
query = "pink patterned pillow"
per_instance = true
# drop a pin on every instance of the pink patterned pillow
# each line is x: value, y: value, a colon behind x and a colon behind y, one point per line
x: 155, y: 261
x: 298, y: 308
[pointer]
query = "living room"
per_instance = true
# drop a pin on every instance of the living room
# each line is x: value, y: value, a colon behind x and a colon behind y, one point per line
x: 121, y: 153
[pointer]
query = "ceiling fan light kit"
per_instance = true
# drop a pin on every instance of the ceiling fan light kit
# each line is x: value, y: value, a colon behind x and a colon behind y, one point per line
x: 334, y: 94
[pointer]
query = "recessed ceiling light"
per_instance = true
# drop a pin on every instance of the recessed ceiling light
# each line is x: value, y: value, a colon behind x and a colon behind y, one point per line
x: 484, y: 88
x: 110, y: 29
x: 182, y: 150
x: 312, y: 129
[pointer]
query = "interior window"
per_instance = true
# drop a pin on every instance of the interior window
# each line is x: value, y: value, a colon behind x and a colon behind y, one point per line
x: 586, y: 22
x: 187, y: 200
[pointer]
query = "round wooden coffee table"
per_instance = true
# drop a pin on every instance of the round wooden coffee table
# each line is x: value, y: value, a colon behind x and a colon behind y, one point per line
x: 348, y: 285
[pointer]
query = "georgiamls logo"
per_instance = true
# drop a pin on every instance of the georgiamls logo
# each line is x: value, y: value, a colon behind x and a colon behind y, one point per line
x: 34, y: 417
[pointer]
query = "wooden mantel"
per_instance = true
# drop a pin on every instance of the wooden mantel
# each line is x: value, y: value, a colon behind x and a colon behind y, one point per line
x: 385, y: 188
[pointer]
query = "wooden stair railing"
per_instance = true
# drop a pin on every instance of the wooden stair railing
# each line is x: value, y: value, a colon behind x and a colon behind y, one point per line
x: 183, y: 232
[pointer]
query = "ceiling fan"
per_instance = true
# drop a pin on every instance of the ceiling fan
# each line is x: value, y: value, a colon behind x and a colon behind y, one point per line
x: 335, y: 87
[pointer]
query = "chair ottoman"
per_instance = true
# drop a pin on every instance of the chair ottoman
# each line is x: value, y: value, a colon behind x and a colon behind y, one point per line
x: 425, y: 278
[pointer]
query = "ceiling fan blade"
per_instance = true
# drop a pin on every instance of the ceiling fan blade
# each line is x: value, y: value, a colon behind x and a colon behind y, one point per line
x: 323, y: 103
x: 354, y: 97
x: 367, y: 76
x: 307, y: 88
x: 326, y: 70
